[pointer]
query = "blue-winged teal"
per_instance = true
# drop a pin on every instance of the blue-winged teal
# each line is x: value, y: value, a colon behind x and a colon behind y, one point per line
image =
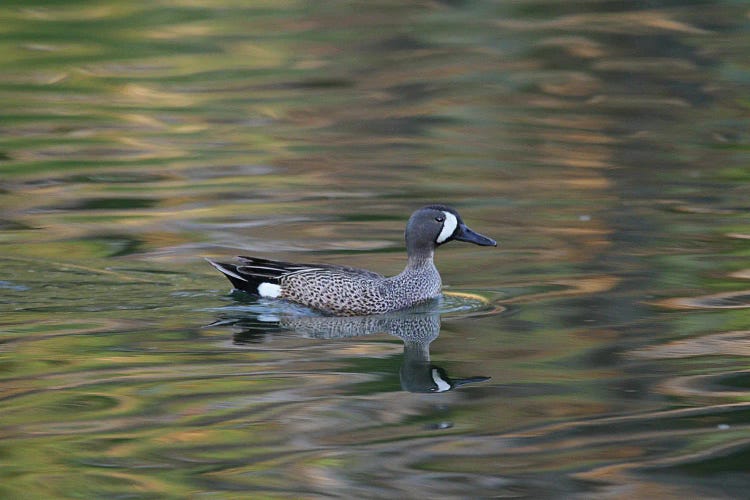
x: 348, y: 291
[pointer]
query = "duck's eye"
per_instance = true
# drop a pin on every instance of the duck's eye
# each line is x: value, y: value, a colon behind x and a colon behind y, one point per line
x: 440, y: 218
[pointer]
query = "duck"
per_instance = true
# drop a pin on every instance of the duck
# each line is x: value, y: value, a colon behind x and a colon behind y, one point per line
x: 349, y: 291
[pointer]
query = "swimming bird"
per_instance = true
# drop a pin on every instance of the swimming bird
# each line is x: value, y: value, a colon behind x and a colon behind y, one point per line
x: 349, y: 291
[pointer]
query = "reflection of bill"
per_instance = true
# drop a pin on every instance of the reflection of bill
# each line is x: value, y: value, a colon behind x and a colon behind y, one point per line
x: 419, y: 375
x: 417, y: 329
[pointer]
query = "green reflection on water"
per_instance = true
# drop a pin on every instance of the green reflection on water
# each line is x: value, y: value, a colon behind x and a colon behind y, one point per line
x: 603, y: 145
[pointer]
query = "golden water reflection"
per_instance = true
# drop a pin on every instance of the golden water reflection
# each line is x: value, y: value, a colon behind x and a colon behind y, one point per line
x: 604, y: 145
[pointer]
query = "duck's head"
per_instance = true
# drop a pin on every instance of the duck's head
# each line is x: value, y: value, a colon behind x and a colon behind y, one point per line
x: 434, y: 225
x: 427, y: 378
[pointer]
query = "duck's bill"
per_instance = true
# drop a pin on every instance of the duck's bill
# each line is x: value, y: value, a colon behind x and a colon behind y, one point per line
x: 466, y: 234
x: 458, y: 382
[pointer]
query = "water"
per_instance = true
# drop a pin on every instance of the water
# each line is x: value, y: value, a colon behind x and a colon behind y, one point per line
x: 603, y: 144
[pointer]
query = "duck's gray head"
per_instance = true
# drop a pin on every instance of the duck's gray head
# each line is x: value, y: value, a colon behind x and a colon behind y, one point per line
x: 434, y: 225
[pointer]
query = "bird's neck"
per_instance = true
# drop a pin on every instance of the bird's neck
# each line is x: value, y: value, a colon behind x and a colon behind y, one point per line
x: 421, y: 259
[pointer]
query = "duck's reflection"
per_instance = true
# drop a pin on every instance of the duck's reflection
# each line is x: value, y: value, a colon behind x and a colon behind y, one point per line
x: 416, y: 328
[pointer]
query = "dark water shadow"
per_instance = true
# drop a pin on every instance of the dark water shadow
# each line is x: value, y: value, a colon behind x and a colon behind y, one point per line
x: 416, y: 327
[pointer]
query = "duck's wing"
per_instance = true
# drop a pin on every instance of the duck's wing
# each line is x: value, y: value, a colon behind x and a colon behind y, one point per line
x: 262, y: 276
x: 272, y: 266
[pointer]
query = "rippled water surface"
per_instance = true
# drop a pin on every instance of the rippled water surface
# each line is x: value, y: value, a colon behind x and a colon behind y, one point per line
x: 601, y: 351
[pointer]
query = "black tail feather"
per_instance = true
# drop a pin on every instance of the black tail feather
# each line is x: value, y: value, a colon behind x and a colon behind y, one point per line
x: 243, y: 278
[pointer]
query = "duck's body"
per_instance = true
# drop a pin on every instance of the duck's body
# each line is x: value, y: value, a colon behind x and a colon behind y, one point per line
x: 338, y: 290
x: 348, y: 291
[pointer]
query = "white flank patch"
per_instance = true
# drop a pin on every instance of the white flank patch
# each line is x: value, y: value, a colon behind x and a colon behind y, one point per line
x: 448, y: 227
x: 269, y: 290
x: 442, y: 384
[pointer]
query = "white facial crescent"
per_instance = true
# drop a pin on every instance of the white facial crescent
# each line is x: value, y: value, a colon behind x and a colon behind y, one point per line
x: 449, y: 225
x: 442, y: 385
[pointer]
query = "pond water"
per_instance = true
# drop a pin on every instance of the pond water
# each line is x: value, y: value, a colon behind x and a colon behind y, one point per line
x: 601, y: 351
